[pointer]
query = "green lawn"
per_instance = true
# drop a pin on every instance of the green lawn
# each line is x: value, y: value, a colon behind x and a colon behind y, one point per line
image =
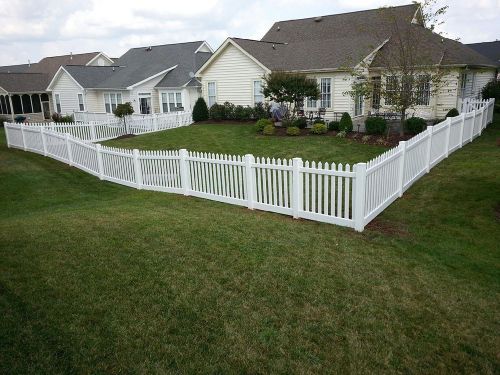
x: 242, y: 139
x: 100, y: 278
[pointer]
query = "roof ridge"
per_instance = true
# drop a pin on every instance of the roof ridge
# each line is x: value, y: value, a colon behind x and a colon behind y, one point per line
x: 260, y: 41
x: 168, y: 44
x: 71, y: 54
x: 354, y: 11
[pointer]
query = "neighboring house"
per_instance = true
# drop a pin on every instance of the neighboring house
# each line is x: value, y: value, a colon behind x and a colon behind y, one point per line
x: 23, y: 87
x: 489, y: 49
x: 153, y: 79
x: 326, y: 49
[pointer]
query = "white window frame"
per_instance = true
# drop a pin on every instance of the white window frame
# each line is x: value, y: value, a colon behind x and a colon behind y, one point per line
x: 111, y: 95
x: 176, y: 93
x: 57, y: 102
x: 208, y: 93
x: 255, y: 95
x: 330, y: 105
x: 359, y: 105
x: 145, y: 95
x: 81, y: 105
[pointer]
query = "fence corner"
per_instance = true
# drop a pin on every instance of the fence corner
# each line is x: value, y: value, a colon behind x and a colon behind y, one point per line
x: 297, y: 197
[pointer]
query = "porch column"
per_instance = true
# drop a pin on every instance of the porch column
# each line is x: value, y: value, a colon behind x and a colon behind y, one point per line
x: 11, y: 107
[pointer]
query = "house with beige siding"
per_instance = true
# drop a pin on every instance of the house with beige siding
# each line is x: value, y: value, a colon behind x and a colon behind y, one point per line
x: 154, y: 79
x: 23, y: 87
x: 328, y: 49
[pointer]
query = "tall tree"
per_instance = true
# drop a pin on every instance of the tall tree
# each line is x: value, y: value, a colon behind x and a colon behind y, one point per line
x: 410, y: 71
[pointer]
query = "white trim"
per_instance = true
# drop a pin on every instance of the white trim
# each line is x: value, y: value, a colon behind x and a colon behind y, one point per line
x: 56, y: 95
x: 204, y: 43
x: 151, y: 77
x: 99, y: 55
x: 171, y: 91
x: 57, y: 75
x: 253, y: 91
x: 83, y: 101
x: 208, y: 93
x: 110, y: 103
x: 221, y: 49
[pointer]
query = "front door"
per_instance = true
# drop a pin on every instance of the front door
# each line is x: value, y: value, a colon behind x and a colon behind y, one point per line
x: 145, y: 105
x: 46, y: 110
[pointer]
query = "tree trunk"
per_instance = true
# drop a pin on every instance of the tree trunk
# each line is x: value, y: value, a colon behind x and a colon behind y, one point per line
x: 402, y: 124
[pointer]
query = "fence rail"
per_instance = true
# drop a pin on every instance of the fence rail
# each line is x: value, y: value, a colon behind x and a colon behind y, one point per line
x: 340, y: 194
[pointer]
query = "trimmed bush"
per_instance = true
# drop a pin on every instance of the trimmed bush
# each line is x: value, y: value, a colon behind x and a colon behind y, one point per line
x: 345, y: 123
x: 261, y: 110
x: 300, y: 122
x: 415, y: 125
x: 200, y: 110
x: 375, y: 125
x: 229, y: 109
x: 319, y: 128
x: 342, y: 134
x: 56, y: 117
x: 293, y: 130
x: 217, y: 112
x: 452, y: 113
x: 261, y: 124
x: 318, y: 121
x: 269, y: 130
x: 333, y: 125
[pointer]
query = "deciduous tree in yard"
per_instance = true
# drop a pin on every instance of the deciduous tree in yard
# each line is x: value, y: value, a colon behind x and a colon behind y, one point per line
x: 410, y: 74
x: 289, y: 89
x: 122, y: 111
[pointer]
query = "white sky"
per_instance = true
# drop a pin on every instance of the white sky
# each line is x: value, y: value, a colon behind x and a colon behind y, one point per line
x: 32, y: 29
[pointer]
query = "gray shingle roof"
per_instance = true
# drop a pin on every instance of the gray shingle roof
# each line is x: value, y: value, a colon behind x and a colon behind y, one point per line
x: 21, y: 68
x: 138, y: 64
x: 343, y: 40
x: 24, y: 82
x: 489, y: 49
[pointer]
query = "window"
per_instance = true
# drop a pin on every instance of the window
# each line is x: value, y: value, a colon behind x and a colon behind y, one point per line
x: 111, y: 100
x: 58, y: 102
x: 44, y: 97
x: 358, y: 105
x: 37, y: 106
x: 81, y: 105
x: 423, y: 92
x: 171, y: 101
x: 26, y: 99
x: 212, y: 94
x: 258, y: 96
x: 326, y: 92
x: 391, y: 87
x: 311, y: 103
x: 376, y: 93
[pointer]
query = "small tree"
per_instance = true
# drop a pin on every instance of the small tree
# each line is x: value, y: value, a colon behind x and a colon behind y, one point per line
x: 289, y: 90
x: 410, y: 75
x: 200, y: 110
x: 122, y: 111
x: 492, y: 90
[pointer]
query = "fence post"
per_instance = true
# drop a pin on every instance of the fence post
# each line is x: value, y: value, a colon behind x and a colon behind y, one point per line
x: 155, y: 123
x: 297, y: 197
x: 44, y: 140
x: 359, y: 196
x: 429, y: 148
x: 447, y: 139
x: 22, y: 136
x: 68, y: 147
x: 183, y: 162
x: 402, y: 160
x: 92, y: 131
x: 249, y: 178
x: 6, y: 125
x: 137, y: 168
x: 99, y: 161
x: 462, y: 125
x: 473, y: 125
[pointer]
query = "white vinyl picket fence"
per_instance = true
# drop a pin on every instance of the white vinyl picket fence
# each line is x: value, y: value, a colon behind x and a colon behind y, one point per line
x: 333, y: 193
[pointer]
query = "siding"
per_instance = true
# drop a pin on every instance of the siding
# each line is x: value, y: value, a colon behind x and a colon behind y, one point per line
x: 94, y: 99
x: 447, y: 95
x: 482, y: 77
x: 234, y: 73
x: 100, y: 61
x: 67, y: 90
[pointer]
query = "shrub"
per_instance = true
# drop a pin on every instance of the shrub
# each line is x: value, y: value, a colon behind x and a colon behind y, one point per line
x: 319, y: 128
x: 262, y: 123
x: 366, y: 138
x: 452, y: 113
x: 342, y: 134
x: 200, y: 110
x: 56, y: 117
x: 217, y: 112
x: 286, y: 123
x: 333, y: 125
x: 345, y: 123
x: 375, y: 125
x: 415, y: 125
x: 247, y: 113
x: 300, y: 122
x: 318, y: 121
x: 229, y: 109
x: 260, y: 111
x: 269, y: 130
x: 491, y: 90
x: 293, y: 130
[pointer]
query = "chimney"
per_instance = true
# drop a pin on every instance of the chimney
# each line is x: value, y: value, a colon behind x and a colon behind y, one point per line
x: 71, y: 55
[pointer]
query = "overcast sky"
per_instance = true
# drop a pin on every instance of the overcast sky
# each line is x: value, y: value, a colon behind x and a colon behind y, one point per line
x: 32, y: 29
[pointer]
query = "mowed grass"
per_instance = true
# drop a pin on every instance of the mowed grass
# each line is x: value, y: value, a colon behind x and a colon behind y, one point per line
x: 100, y: 278
x: 242, y: 139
